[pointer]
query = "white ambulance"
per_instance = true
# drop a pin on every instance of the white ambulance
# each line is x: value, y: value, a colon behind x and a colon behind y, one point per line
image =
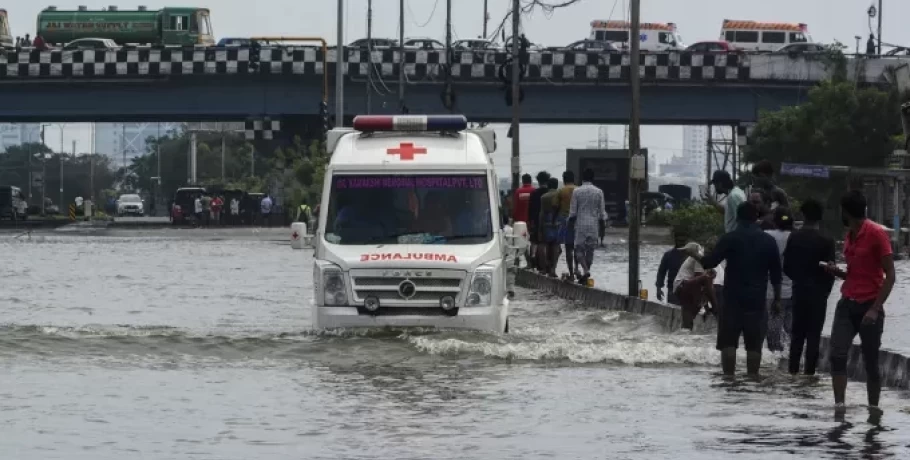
x: 654, y: 36
x: 763, y: 36
x: 410, y: 234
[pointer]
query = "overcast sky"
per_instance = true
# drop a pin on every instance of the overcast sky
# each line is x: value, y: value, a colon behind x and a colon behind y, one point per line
x: 543, y: 146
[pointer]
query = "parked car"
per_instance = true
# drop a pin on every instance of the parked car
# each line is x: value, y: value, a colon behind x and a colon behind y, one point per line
x: 802, y: 48
x: 475, y: 44
x: 374, y: 44
x: 531, y: 45
x: 236, y: 42
x: 715, y: 46
x: 427, y: 44
x: 92, y: 44
x: 13, y: 205
x: 589, y: 45
x: 182, y: 209
x: 130, y: 204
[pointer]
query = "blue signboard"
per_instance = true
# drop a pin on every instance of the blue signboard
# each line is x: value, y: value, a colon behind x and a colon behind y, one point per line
x: 814, y: 171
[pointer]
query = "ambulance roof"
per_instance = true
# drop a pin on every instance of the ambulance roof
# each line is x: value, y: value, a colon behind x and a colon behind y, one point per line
x: 406, y: 150
x: 732, y: 24
x: 625, y: 25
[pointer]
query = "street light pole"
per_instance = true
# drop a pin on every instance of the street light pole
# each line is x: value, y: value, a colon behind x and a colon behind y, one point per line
x: 370, y: 51
x: 486, y: 18
x: 401, y: 57
x: 879, y: 52
x: 516, y: 110
x: 339, y: 68
x: 635, y: 149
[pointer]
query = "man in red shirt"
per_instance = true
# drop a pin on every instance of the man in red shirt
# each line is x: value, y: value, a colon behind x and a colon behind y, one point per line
x: 520, y: 205
x: 867, y: 284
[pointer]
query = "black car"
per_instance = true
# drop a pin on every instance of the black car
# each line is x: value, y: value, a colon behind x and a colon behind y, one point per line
x: 374, y: 44
x: 184, y: 204
x: 594, y: 46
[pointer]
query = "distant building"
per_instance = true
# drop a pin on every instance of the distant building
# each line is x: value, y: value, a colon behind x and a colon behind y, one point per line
x: 13, y: 134
x: 124, y: 141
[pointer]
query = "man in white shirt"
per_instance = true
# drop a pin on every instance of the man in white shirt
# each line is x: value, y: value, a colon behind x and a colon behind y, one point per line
x: 197, y: 209
x: 235, y: 210
x: 265, y: 208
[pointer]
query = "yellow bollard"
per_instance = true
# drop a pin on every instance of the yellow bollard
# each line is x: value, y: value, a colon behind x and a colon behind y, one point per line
x: 72, y: 212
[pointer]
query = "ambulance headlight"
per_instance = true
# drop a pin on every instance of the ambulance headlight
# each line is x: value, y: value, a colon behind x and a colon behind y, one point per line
x: 481, y: 292
x: 333, y: 288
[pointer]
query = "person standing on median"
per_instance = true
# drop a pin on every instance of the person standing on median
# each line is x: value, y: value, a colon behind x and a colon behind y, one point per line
x: 566, y: 233
x: 868, y: 281
x: 543, y: 178
x: 752, y: 259
x: 806, y: 249
x: 587, y: 212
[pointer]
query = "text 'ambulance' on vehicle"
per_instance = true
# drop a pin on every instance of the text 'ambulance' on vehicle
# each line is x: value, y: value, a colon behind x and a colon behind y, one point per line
x: 763, y: 36
x: 410, y: 234
x: 655, y: 36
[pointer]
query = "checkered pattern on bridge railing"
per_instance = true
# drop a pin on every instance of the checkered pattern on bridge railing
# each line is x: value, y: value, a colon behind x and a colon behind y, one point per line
x: 424, y: 66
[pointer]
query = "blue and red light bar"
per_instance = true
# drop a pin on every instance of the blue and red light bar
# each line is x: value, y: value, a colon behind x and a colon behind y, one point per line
x: 374, y: 123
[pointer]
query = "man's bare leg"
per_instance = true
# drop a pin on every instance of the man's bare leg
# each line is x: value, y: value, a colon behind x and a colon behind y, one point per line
x: 728, y: 361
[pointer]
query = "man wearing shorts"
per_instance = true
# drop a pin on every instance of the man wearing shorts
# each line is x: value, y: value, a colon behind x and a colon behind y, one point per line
x: 586, y: 212
x: 752, y: 259
x: 566, y: 232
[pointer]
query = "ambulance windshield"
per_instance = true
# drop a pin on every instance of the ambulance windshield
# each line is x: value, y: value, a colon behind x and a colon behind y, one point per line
x: 409, y: 209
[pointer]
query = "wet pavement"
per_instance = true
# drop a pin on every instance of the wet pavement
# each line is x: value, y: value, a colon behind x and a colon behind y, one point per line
x: 193, y: 344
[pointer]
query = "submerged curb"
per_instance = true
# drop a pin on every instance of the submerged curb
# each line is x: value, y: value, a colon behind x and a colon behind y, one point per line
x: 895, y: 368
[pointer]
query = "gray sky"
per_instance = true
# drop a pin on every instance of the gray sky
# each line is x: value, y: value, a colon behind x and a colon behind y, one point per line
x: 544, y: 146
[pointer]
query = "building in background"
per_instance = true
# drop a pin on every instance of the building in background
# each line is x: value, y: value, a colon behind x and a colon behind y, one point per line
x: 124, y: 141
x: 13, y: 134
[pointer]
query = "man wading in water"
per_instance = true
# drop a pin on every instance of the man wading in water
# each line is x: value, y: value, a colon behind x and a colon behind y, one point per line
x: 752, y: 258
x: 586, y: 212
x: 867, y: 284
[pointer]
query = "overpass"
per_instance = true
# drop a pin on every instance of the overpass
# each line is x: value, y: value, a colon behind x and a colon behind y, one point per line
x: 286, y: 84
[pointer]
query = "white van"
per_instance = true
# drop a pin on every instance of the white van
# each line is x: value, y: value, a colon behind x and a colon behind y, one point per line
x: 763, y: 36
x: 654, y: 36
x: 410, y: 234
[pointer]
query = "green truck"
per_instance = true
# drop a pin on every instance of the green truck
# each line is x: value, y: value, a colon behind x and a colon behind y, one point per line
x: 5, y: 38
x: 167, y: 26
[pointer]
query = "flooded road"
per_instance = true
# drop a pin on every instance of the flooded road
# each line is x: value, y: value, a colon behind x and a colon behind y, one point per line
x: 179, y: 344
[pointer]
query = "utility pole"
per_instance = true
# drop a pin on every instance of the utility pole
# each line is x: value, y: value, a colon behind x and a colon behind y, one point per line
x: 192, y: 178
x: 370, y: 50
x: 486, y: 18
x: 401, y: 57
x: 43, y: 174
x: 879, y: 51
x: 635, y: 150
x: 516, y: 109
x: 339, y: 68
x: 222, y: 154
x: 123, y: 146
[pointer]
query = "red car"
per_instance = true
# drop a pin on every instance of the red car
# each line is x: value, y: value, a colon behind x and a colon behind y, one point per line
x: 712, y: 47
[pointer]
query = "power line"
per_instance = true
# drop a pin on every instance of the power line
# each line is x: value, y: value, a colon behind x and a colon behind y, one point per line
x: 432, y: 13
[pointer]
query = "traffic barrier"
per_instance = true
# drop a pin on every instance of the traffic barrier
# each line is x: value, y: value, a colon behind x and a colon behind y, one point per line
x: 72, y: 212
x: 894, y: 367
x: 298, y: 235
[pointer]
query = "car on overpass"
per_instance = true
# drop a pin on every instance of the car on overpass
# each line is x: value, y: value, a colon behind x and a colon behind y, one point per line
x: 236, y: 42
x: 588, y: 45
x: 802, y: 48
x: 426, y: 44
x: 91, y: 44
x: 712, y: 46
x: 475, y: 44
x: 374, y: 44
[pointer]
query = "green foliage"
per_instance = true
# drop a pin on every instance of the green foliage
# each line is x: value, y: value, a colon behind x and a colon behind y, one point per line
x: 699, y: 222
x: 79, y: 173
x: 661, y: 218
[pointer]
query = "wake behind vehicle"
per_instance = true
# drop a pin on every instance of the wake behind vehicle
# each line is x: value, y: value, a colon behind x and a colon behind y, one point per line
x: 167, y: 26
x: 409, y: 233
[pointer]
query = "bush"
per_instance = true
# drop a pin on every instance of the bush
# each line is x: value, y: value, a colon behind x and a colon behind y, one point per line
x: 699, y: 222
x: 660, y: 218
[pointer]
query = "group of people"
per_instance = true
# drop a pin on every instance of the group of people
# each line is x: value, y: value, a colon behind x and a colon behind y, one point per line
x: 26, y: 42
x: 777, y: 280
x: 570, y: 217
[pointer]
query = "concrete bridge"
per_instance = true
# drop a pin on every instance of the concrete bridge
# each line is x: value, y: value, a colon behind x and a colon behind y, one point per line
x: 286, y: 83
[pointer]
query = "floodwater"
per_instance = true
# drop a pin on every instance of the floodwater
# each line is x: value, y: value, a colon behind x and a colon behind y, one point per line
x: 611, y: 268
x: 184, y: 345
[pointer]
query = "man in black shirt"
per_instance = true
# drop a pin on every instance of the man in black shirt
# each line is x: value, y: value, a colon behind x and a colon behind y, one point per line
x: 811, y: 285
x: 752, y: 259
x: 543, y: 178
x: 669, y: 266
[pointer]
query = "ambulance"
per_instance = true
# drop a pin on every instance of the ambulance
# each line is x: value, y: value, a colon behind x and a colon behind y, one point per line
x: 763, y: 36
x: 411, y: 233
x: 654, y: 36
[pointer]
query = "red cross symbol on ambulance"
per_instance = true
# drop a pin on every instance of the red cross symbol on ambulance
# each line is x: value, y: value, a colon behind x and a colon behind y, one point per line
x: 406, y: 151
